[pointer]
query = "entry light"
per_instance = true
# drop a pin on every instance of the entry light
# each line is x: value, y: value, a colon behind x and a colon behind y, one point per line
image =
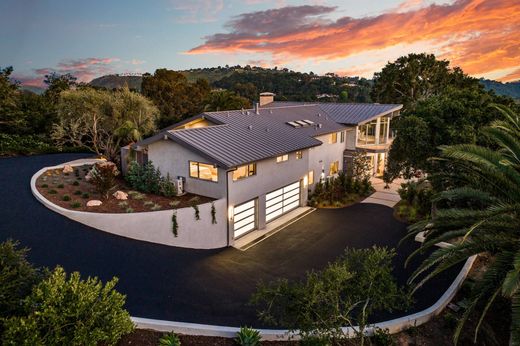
x: 305, y: 181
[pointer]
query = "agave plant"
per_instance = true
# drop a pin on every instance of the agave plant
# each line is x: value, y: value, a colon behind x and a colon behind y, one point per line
x: 170, y: 339
x: 247, y: 336
x: 481, y: 215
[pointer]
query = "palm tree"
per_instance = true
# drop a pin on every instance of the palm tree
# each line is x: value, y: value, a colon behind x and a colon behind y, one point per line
x: 481, y: 215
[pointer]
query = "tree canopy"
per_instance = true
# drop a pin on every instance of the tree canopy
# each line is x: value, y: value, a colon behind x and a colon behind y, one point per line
x: 103, y: 121
x: 174, y: 96
x: 417, y: 77
x: 223, y: 100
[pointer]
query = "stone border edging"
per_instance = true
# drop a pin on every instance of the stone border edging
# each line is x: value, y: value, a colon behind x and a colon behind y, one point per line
x: 393, y: 326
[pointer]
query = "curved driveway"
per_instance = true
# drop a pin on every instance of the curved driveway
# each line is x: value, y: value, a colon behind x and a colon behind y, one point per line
x: 202, y: 286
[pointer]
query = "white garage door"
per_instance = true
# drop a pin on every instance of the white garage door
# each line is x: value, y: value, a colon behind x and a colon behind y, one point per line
x: 282, y: 201
x: 244, y: 218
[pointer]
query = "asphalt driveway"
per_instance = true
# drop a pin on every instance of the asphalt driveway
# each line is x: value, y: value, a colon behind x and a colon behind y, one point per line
x: 202, y: 286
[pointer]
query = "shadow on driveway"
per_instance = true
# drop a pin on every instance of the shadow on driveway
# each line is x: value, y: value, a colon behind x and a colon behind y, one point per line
x: 201, y: 286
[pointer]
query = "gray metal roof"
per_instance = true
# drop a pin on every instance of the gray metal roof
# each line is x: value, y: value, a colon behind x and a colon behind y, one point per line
x: 241, y: 137
x: 247, y: 137
x: 345, y: 113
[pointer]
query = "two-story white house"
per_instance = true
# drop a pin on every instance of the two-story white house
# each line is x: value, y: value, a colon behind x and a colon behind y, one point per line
x: 264, y: 161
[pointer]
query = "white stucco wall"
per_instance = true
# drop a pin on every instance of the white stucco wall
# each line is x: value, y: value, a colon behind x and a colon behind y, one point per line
x: 173, y: 158
x: 155, y: 226
x: 322, y: 156
x: 270, y: 176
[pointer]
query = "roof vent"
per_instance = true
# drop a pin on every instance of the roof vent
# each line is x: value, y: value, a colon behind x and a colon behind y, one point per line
x: 247, y: 112
x: 250, y: 127
x: 319, y: 114
x: 270, y: 111
x: 320, y: 126
x: 267, y: 129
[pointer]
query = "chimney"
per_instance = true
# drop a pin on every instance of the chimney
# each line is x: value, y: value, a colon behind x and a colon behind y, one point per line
x: 257, y: 108
x: 266, y: 98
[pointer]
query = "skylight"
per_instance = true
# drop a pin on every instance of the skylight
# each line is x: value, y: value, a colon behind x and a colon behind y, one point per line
x: 293, y: 124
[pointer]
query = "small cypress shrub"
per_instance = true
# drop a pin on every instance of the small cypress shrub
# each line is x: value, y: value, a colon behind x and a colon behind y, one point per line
x: 66, y: 198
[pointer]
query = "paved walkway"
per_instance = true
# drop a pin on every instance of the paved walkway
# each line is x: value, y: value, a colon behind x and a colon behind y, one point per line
x: 384, y: 196
x: 201, y: 286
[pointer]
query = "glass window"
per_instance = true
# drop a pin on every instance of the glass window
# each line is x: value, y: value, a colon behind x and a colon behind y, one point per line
x: 244, y: 171
x: 342, y: 136
x: 367, y: 133
x: 311, y: 177
x: 333, y: 138
x: 383, y: 130
x: 282, y: 158
x: 334, y: 168
x: 299, y: 155
x: 203, y: 171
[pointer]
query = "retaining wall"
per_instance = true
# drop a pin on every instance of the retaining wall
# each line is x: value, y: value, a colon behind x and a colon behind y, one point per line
x: 154, y: 226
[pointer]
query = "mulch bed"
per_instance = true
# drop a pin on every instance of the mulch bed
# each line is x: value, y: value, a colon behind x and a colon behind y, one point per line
x: 55, y: 185
x: 143, y: 337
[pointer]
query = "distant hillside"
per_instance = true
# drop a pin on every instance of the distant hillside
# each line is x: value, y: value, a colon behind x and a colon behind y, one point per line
x: 511, y: 89
x: 114, y: 81
x: 33, y: 89
x: 249, y: 81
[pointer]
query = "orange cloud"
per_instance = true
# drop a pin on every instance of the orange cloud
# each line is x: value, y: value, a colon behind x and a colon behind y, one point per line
x: 478, y: 35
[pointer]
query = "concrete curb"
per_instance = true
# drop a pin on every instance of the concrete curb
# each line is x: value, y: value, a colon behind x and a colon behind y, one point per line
x: 393, y: 326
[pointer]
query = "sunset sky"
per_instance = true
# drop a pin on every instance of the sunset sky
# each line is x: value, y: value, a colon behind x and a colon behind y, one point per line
x: 349, y: 37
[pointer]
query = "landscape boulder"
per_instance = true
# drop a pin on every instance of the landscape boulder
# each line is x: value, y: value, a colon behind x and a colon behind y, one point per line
x: 120, y: 195
x: 94, y: 203
x: 68, y: 169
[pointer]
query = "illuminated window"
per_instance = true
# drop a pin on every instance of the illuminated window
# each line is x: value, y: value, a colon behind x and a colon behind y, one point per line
x: 334, y: 168
x: 299, y: 155
x: 244, y: 171
x: 342, y: 136
x: 311, y: 177
x: 282, y: 158
x: 203, y: 171
x: 333, y: 138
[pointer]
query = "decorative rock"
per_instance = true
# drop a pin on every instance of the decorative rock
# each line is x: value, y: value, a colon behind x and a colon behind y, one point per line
x: 120, y: 195
x: 68, y: 169
x: 94, y: 203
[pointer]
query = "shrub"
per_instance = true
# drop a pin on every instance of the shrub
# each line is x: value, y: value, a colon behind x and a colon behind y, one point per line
x: 52, y: 192
x: 323, y: 302
x: 77, y: 192
x: 66, y: 198
x: 213, y: 214
x: 60, y: 186
x: 167, y: 187
x: 65, y: 310
x: 123, y: 205
x: 24, y: 145
x: 174, y: 204
x: 197, y: 212
x: 170, y: 339
x: 382, y: 337
x: 129, y: 210
x: 75, y: 204
x: 247, y: 336
x: 44, y: 186
x: 138, y: 196
x: 103, y: 177
x: 75, y: 183
x: 175, y: 225
x: 155, y: 207
x: 17, y: 277
x: 148, y: 203
x: 144, y: 178
x: 85, y: 195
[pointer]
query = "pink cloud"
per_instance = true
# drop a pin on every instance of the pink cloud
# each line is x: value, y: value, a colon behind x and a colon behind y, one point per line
x: 478, y: 35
